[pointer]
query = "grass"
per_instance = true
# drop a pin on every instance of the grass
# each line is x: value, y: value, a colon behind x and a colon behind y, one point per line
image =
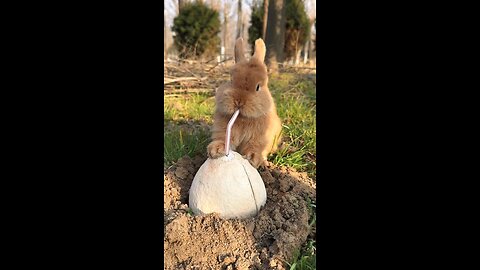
x: 178, y: 143
x: 296, y: 104
x: 187, y: 120
x: 306, y: 259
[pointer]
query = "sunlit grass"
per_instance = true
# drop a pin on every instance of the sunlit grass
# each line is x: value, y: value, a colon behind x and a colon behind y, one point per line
x: 186, y: 122
x: 178, y: 143
x: 295, y: 99
x: 296, y: 104
x: 188, y: 107
x: 305, y: 259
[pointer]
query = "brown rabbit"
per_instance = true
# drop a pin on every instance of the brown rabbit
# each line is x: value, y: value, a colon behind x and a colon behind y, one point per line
x: 256, y: 132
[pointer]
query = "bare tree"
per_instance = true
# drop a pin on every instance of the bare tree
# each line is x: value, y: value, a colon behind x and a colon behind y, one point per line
x: 311, y: 8
x: 265, y: 17
x: 164, y: 37
x: 229, y: 31
x: 275, y: 34
x: 310, y: 41
x: 215, y: 4
x: 181, y: 4
x: 225, y: 28
x: 239, y: 19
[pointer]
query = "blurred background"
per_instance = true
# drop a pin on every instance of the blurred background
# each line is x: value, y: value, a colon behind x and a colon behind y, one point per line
x: 207, y: 29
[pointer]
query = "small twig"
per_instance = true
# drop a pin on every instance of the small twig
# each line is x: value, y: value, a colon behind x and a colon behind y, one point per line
x: 288, y: 66
x: 181, y: 79
x: 213, y: 59
x: 199, y: 90
x: 207, y: 99
x: 181, y: 69
x: 172, y: 96
x: 228, y: 59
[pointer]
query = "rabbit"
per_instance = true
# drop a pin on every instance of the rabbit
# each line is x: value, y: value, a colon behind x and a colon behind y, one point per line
x: 256, y: 131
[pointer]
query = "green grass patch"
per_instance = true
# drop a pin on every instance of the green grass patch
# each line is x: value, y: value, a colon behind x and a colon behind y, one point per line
x: 198, y: 107
x: 305, y: 259
x: 295, y: 98
x: 179, y: 142
x: 186, y: 123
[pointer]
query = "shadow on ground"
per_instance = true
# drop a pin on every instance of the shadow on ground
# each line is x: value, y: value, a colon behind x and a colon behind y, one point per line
x: 184, y: 137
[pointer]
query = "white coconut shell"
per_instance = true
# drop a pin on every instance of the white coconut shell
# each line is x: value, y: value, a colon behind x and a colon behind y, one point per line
x: 222, y: 186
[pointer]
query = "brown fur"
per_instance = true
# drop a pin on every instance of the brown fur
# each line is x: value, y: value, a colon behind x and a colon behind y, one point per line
x: 257, y: 129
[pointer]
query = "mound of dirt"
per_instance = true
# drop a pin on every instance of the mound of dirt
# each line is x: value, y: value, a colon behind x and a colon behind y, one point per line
x: 266, y: 241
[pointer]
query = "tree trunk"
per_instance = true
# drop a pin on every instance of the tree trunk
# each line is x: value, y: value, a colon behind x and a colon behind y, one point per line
x: 225, y: 28
x: 239, y: 20
x: 164, y: 38
x: 310, y: 40
x: 306, y: 51
x: 265, y: 17
x: 275, y: 34
x: 215, y: 5
x: 297, y: 50
x: 181, y: 3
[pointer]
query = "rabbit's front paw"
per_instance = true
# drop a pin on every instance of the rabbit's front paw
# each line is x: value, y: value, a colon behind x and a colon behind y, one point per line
x: 216, y: 149
x: 255, y: 159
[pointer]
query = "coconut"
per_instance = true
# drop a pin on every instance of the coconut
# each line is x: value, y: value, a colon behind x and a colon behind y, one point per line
x: 229, y: 185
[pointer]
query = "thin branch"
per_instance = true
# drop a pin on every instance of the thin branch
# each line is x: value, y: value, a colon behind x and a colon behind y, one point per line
x: 228, y: 59
x: 181, y: 79
x: 188, y: 91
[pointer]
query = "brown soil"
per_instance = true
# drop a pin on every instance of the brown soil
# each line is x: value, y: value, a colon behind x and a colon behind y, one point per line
x: 266, y: 241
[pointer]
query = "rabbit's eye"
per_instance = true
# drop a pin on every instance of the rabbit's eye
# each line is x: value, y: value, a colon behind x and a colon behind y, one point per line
x: 258, y: 87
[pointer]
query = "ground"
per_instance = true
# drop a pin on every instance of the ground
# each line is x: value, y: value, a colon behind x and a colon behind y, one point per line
x: 283, y: 234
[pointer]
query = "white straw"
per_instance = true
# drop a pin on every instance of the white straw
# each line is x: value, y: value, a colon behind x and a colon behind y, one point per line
x: 229, y: 129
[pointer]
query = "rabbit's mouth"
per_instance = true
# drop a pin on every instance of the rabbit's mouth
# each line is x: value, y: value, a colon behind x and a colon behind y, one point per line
x: 237, y: 104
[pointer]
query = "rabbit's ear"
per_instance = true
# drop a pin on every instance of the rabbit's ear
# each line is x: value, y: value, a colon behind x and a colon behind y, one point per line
x: 239, y: 51
x: 260, y: 50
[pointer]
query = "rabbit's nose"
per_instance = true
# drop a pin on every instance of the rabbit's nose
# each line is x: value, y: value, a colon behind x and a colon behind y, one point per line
x: 238, y: 104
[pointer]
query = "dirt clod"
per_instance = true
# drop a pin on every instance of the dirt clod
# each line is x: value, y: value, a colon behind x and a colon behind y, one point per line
x: 266, y: 241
